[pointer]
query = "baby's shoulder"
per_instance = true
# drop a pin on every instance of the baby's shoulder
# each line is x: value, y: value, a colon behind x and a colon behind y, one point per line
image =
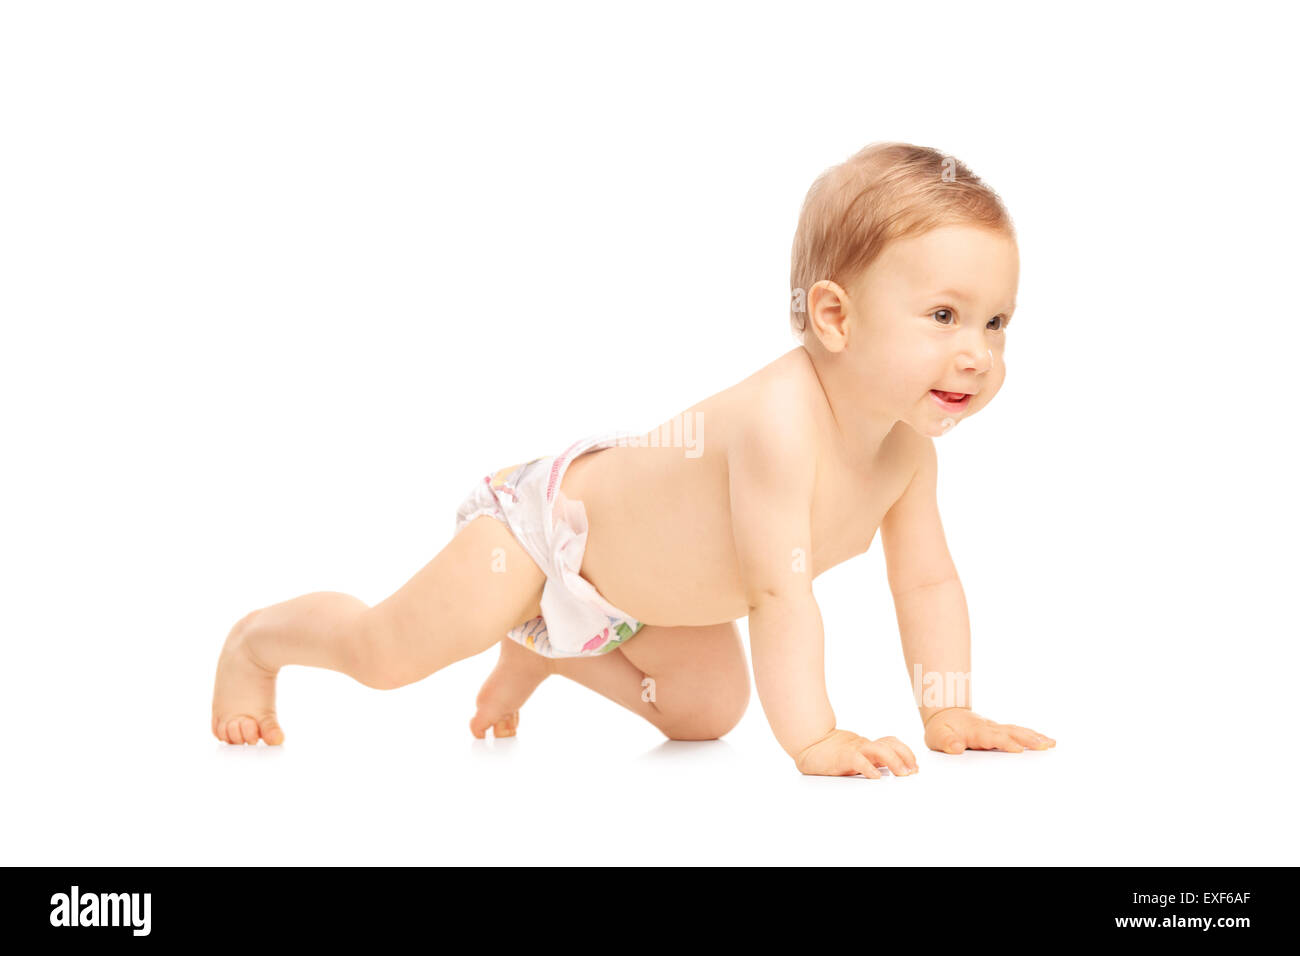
x: 765, y: 424
x: 780, y: 404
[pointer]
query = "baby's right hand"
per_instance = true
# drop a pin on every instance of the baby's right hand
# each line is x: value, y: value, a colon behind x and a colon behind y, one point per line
x: 842, y: 753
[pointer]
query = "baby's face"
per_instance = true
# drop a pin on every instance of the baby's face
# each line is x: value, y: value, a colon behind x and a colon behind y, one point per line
x: 929, y: 314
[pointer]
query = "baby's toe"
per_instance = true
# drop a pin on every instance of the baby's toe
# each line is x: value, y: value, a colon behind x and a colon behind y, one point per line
x: 270, y: 731
x: 240, y: 729
x: 246, y: 729
x: 502, y: 726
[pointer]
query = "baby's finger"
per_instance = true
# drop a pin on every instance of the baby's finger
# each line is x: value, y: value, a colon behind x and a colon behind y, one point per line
x: 1043, y: 737
x: 864, y: 766
x: 900, y: 748
x: 995, y: 738
x: 883, y: 753
x: 1004, y: 741
x: 1027, y: 737
x: 950, y: 742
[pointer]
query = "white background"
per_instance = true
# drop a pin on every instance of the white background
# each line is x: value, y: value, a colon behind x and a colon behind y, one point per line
x: 280, y: 282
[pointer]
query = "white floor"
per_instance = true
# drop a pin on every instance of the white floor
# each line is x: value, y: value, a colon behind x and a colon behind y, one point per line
x: 124, y: 775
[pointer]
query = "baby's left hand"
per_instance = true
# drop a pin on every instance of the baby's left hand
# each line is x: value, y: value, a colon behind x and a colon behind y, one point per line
x: 960, y: 728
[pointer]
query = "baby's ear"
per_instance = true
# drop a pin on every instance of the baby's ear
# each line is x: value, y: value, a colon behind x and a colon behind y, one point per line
x: 829, y: 314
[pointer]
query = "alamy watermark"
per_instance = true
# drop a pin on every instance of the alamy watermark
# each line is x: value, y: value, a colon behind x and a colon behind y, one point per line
x: 101, y: 909
x: 685, y: 430
x: 940, y: 688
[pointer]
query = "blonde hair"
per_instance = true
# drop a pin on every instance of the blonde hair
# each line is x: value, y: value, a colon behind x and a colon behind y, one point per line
x: 883, y: 192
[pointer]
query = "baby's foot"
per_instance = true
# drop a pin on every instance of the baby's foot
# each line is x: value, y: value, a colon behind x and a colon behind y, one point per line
x: 516, y: 676
x: 243, y: 702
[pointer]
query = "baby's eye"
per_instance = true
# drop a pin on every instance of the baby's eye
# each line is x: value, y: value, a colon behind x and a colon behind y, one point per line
x: 943, y: 311
x: 1001, y: 323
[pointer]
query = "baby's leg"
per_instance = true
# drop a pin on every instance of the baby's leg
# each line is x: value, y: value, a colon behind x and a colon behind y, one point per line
x: 477, y: 588
x: 697, y: 678
x: 690, y: 682
x: 517, y: 674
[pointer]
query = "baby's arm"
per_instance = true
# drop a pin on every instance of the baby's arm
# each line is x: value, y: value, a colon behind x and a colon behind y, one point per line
x: 934, y: 623
x: 928, y: 597
x: 772, y: 467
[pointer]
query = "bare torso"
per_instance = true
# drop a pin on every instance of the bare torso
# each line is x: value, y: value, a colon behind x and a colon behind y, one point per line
x: 659, y: 540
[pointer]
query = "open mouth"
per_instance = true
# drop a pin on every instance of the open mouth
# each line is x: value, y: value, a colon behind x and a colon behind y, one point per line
x: 952, y: 401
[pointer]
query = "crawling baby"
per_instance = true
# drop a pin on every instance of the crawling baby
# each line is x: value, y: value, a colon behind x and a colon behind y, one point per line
x: 623, y: 561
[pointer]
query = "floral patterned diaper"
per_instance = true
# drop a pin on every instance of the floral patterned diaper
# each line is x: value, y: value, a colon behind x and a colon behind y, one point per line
x: 576, y: 620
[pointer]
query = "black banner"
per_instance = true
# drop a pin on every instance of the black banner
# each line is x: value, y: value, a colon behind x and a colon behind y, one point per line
x: 209, y: 905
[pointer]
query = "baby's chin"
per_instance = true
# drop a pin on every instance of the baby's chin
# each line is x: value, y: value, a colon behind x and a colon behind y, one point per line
x: 936, y: 426
x: 937, y: 422
x: 943, y: 426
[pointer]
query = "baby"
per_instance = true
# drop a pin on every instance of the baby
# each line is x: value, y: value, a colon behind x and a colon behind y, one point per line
x: 624, y: 561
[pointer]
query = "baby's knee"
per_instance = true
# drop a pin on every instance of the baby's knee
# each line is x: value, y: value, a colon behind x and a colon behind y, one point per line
x: 700, y: 727
x: 372, y: 644
x: 712, y: 718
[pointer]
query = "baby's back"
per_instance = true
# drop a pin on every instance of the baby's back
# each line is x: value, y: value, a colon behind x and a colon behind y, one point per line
x: 660, y: 543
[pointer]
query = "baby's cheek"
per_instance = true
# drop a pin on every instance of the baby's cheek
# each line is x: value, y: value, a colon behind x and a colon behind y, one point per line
x: 998, y: 370
x: 997, y: 374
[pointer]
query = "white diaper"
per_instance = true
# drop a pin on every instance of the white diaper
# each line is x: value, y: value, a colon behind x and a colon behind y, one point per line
x: 576, y: 621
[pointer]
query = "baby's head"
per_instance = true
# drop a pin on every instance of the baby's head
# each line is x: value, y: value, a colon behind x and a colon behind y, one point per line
x: 903, y: 276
